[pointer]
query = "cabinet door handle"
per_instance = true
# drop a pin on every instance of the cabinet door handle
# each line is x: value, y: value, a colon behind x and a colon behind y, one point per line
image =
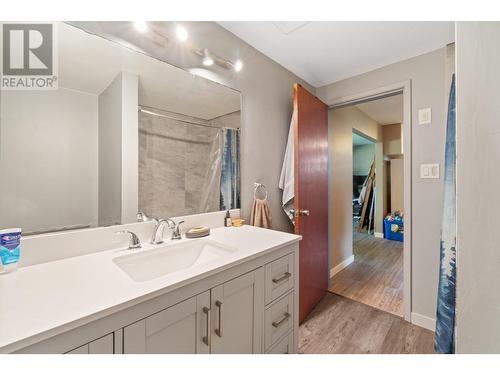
x: 282, y: 278
x: 218, y: 331
x: 206, y: 339
x: 282, y: 320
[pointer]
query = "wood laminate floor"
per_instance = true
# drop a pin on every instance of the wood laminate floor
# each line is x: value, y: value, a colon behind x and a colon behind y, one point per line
x: 376, y: 275
x: 338, y: 325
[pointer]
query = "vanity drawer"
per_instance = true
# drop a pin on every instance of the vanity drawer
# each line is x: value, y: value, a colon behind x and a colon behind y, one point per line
x: 283, y: 346
x: 280, y: 276
x: 278, y: 320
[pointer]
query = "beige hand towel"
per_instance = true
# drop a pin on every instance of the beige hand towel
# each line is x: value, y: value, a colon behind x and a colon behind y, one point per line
x: 261, y: 214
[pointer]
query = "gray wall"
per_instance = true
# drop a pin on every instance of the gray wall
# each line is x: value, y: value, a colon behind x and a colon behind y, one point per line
x: 427, y: 74
x: 362, y: 158
x: 397, y: 185
x: 393, y: 141
x: 341, y: 123
x: 478, y: 140
x: 110, y: 155
x: 118, y: 151
x: 266, y: 89
x: 179, y: 165
x: 130, y: 147
x: 48, y: 159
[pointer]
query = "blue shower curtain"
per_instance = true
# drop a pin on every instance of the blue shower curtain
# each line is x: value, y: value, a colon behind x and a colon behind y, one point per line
x: 445, y: 322
x: 230, y: 169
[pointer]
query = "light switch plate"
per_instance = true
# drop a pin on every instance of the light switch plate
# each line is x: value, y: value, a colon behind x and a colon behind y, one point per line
x: 424, y: 116
x: 429, y: 170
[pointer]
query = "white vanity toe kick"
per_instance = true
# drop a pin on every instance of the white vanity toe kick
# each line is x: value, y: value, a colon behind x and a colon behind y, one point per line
x: 44, y: 300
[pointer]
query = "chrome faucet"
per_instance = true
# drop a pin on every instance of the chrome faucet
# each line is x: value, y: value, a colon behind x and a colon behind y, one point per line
x: 176, y: 234
x: 134, y: 242
x: 159, y: 230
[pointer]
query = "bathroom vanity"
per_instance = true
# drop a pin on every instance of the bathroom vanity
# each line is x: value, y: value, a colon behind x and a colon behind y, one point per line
x: 141, y: 136
x: 235, y: 291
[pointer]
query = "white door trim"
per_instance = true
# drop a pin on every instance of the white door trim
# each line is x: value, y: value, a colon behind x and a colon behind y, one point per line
x: 403, y: 87
x: 339, y: 267
x: 423, y: 321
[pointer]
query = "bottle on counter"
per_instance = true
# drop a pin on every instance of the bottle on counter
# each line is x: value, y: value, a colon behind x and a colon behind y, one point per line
x: 10, y: 247
x: 227, y: 220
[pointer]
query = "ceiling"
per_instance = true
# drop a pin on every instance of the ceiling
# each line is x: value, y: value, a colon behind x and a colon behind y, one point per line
x: 384, y: 111
x: 89, y: 63
x: 325, y: 52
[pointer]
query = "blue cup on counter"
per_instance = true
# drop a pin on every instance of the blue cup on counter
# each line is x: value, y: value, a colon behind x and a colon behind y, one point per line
x: 10, y: 249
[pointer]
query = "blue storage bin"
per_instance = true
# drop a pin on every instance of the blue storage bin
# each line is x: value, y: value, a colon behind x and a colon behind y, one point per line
x: 390, y: 235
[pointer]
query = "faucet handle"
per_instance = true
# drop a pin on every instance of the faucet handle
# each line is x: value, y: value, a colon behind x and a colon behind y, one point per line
x: 134, y: 242
x: 171, y: 223
x: 142, y: 217
x: 176, y: 234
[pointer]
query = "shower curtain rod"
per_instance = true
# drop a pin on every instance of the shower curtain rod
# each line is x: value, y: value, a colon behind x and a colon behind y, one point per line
x: 185, y: 121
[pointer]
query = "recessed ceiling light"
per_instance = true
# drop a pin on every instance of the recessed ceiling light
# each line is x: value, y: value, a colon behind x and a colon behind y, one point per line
x: 207, y: 59
x: 140, y: 26
x: 238, y: 65
x: 181, y: 33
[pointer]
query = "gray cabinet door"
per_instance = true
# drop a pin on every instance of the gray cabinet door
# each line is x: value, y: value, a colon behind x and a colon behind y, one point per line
x: 237, y: 308
x: 84, y: 349
x: 178, y: 329
x: 103, y: 345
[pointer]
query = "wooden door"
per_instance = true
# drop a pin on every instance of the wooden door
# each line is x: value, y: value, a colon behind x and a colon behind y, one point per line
x: 180, y: 329
x: 237, y: 315
x: 311, y: 196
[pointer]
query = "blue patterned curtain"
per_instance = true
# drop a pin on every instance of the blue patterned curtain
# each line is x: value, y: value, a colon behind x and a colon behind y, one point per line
x: 445, y: 323
x: 230, y: 169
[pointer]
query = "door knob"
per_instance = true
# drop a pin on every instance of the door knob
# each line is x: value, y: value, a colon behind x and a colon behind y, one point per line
x: 297, y: 213
x: 303, y: 212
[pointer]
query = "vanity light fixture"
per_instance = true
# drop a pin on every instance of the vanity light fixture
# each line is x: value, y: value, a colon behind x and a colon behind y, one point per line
x: 181, y: 33
x: 141, y: 26
x: 207, y: 59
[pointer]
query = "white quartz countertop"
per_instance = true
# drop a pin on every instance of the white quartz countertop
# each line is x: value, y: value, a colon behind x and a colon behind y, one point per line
x: 43, y: 300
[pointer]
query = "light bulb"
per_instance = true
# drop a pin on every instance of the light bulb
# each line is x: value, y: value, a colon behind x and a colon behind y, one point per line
x: 238, y: 65
x: 181, y: 33
x: 207, y: 59
x: 140, y: 26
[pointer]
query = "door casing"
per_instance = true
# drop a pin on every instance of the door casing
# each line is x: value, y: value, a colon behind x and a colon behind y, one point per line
x: 404, y: 88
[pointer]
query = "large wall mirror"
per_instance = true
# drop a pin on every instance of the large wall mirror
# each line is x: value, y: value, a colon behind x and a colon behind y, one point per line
x: 123, y: 133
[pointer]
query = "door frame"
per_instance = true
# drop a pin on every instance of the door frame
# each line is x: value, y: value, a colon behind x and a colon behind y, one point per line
x: 404, y: 88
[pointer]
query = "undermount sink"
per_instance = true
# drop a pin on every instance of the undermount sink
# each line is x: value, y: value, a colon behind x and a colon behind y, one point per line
x: 150, y: 264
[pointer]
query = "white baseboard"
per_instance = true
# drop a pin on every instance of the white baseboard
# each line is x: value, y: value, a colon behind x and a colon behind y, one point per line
x: 339, y: 267
x: 423, y: 321
x: 378, y: 234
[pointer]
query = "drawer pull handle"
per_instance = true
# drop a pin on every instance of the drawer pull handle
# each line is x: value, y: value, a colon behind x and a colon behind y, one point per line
x: 282, y: 278
x: 218, y: 331
x: 282, y: 320
x: 206, y: 339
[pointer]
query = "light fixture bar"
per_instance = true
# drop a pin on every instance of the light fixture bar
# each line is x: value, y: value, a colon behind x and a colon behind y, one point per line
x: 208, y: 58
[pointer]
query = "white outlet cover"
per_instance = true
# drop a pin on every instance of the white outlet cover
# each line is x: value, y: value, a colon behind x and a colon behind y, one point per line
x: 429, y: 170
x: 424, y: 116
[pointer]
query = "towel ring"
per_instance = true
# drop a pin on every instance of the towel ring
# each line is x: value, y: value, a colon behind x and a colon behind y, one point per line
x: 257, y: 186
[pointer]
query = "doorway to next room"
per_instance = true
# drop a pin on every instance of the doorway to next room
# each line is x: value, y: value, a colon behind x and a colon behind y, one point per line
x: 368, y: 261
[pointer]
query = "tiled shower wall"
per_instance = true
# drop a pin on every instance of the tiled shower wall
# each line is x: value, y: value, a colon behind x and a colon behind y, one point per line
x: 177, y: 173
